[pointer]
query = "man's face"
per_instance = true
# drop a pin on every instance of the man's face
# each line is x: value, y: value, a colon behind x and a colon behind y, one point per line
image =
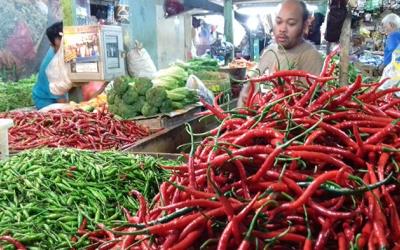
x: 288, y: 28
x: 57, y: 44
x: 388, y: 28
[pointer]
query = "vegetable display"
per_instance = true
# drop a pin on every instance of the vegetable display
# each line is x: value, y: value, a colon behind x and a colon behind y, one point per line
x: 132, y: 97
x: 15, y: 95
x: 76, y: 129
x: 47, y: 194
x: 199, y: 64
x: 308, y: 165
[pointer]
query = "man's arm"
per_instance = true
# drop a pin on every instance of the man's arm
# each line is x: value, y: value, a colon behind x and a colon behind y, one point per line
x: 390, y: 46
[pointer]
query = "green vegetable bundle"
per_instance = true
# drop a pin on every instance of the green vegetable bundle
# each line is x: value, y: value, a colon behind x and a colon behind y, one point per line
x: 171, y: 78
x: 15, y: 95
x: 131, y: 97
x: 128, y: 96
x: 45, y: 194
x: 199, y: 64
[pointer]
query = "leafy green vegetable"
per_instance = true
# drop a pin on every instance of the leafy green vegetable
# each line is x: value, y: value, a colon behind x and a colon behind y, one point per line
x: 171, y: 78
x: 178, y: 105
x: 14, y: 95
x: 166, y: 107
x: 156, y: 96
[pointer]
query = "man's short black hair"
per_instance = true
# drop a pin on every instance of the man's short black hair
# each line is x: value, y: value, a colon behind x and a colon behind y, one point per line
x: 53, y: 32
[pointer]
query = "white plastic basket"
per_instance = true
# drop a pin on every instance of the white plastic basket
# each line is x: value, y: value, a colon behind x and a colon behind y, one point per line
x: 5, y: 124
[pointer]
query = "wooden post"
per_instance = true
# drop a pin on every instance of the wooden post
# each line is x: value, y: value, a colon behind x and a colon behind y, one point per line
x: 345, y: 37
x: 228, y: 25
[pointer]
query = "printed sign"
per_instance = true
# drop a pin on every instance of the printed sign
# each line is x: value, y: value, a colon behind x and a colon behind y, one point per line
x: 81, y: 43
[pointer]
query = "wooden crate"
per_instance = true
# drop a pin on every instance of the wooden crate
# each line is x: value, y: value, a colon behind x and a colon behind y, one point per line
x: 169, y: 120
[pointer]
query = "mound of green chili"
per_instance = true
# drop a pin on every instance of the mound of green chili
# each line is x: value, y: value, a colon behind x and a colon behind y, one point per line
x: 45, y: 194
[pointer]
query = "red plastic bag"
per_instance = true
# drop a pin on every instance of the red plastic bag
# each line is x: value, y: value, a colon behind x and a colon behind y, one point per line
x: 173, y: 7
x: 92, y: 89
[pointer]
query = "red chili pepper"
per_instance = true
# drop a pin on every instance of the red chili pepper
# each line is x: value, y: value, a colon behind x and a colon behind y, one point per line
x: 187, y: 241
x: 349, y: 92
x: 327, y: 61
x: 384, y: 132
x: 221, y: 116
x: 18, y: 245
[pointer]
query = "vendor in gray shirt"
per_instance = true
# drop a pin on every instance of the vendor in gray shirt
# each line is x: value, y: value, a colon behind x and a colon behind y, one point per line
x: 291, y: 49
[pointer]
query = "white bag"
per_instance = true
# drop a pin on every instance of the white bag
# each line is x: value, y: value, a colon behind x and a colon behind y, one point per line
x: 140, y: 63
x: 193, y: 82
x: 57, y: 73
x: 394, y: 78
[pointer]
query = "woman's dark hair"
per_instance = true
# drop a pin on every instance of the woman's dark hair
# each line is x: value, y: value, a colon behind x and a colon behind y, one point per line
x: 53, y: 32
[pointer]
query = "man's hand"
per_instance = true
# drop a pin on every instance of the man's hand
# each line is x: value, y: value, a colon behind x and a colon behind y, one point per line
x: 243, y: 96
x: 62, y: 100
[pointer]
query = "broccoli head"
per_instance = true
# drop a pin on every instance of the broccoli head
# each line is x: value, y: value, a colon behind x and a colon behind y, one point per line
x: 118, y: 100
x: 149, y: 110
x: 130, y: 96
x: 142, y: 85
x: 138, y: 104
x: 121, y: 85
x: 112, y: 109
x: 111, y: 97
x: 156, y: 96
x: 166, y: 106
x: 126, y: 111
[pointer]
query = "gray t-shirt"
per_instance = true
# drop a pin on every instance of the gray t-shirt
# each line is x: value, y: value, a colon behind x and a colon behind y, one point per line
x: 302, y: 57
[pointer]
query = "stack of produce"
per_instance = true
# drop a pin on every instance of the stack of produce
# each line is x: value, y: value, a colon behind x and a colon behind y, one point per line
x: 199, y: 65
x: 241, y: 63
x: 15, y: 95
x: 310, y: 165
x: 76, y: 129
x: 97, y: 102
x: 133, y: 97
x: 171, y: 78
x: 45, y: 195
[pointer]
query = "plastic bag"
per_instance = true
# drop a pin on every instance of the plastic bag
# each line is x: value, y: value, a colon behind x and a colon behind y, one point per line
x: 92, y: 89
x: 57, y: 73
x: 392, y: 71
x: 394, y: 78
x: 57, y: 106
x: 140, y: 63
x: 193, y: 82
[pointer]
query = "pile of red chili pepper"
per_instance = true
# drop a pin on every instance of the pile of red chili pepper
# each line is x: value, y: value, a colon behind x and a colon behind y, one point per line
x: 308, y: 165
x: 76, y: 129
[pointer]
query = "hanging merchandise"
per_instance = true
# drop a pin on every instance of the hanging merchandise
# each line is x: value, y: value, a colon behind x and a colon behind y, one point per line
x: 336, y: 16
x: 110, y: 14
x: 122, y: 13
